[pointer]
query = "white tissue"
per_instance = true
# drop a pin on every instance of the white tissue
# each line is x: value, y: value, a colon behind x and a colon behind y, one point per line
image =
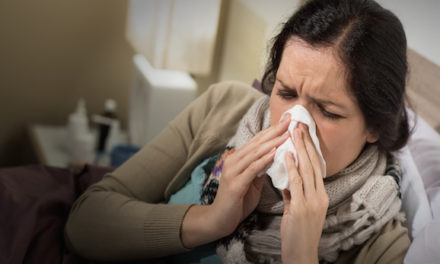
x: 278, y: 169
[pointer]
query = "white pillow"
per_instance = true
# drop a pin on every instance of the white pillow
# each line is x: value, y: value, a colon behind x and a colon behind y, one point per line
x: 424, y: 145
x: 425, y: 247
x: 414, y: 200
x: 424, y: 151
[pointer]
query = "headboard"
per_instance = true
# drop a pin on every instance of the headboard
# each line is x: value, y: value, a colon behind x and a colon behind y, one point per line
x: 423, y: 88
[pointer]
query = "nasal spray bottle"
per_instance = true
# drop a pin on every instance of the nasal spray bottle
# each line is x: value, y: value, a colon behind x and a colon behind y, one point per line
x: 80, y: 141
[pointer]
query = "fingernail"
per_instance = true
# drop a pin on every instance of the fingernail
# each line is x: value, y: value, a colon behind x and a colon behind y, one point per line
x: 284, y: 118
x: 297, y: 134
x: 261, y: 173
x: 286, y: 156
x: 292, y: 156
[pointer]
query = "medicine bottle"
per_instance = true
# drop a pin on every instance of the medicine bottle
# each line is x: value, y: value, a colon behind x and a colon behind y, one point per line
x: 106, y: 120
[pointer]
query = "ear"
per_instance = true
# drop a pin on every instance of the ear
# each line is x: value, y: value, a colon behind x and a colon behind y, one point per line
x: 372, y: 137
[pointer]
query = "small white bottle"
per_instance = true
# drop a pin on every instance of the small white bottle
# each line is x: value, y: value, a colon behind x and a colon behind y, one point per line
x: 80, y: 141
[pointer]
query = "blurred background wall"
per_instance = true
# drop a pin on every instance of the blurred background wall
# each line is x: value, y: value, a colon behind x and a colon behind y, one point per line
x: 51, y: 54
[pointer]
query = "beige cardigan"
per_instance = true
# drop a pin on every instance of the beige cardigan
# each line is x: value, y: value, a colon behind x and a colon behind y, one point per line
x: 121, y: 217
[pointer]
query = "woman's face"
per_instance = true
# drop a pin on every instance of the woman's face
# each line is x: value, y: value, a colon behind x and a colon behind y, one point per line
x: 315, y: 79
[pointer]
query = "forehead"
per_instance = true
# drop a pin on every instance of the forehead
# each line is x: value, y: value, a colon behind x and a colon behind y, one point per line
x: 317, y: 68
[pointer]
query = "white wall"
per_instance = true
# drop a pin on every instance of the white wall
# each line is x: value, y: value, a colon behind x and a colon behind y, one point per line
x: 252, y: 23
x: 421, y: 21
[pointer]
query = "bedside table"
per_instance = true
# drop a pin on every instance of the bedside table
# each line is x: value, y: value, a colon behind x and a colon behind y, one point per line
x: 50, y: 144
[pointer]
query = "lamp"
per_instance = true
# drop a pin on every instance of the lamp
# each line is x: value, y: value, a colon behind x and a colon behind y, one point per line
x: 173, y: 38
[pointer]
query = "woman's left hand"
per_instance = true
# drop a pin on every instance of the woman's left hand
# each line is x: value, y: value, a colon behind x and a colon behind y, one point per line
x: 305, y: 205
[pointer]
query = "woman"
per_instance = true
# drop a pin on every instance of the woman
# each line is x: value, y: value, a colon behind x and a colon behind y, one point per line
x: 345, y: 62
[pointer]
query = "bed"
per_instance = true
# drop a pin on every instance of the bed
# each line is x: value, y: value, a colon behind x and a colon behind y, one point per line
x: 420, y: 161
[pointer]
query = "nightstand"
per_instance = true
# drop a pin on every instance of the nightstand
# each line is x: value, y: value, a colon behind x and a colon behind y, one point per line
x: 50, y: 144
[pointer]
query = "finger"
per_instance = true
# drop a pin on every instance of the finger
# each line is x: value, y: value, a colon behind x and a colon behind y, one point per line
x: 238, y: 163
x: 273, y: 131
x: 280, y: 127
x: 304, y: 164
x: 249, y: 174
x: 263, y: 136
x: 257, y: 147
x: 314, y: 157
x: 295, y: 180
x: 244, y: 161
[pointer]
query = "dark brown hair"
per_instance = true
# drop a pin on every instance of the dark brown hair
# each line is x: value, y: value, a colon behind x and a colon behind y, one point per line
x: 371, y: 43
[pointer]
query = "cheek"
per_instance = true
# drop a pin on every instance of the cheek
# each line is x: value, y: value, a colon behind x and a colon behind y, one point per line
x: 328, y: 137
x: 340, y: 144
x: 275, y: 114
x: 277, y: 108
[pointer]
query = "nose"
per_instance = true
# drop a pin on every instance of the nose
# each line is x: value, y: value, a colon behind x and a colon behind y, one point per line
x: 306, y: 106
x: 303, y: 103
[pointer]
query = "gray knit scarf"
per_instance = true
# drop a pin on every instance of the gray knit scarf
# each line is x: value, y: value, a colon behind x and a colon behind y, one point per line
x: 363, y: 198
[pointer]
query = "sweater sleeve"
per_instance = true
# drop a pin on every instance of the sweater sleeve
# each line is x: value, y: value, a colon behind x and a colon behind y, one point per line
x: 386, y: 247
x: 121, y: 217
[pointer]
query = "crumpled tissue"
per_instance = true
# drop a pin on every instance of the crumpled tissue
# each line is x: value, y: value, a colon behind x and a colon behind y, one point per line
x: 278, y: 170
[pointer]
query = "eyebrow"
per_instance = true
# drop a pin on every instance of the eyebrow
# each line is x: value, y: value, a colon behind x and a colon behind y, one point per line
x: 313, y: 99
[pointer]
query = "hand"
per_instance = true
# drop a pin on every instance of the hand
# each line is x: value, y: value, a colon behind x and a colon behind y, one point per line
x: 239, y: 189
x: 305, y: 206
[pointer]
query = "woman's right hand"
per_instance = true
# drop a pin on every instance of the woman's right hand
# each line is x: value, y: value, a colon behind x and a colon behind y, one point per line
x: 239, y: 189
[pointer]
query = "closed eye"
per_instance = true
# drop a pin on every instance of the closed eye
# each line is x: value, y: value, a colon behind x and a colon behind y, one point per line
x: 328, y: 114
x: 287, y: 95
